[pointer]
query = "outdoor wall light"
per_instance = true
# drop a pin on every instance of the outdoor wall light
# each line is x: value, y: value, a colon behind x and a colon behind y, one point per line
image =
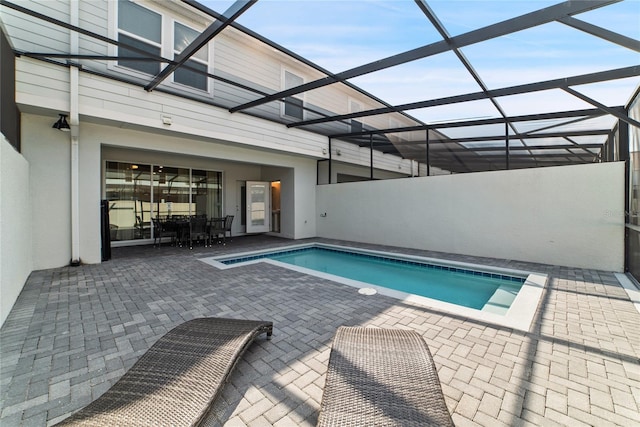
x: 62, y: 124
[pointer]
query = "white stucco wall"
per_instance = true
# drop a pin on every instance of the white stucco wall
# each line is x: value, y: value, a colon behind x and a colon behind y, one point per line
x: 15, y: 226
x: 305, y: 202
x: 48, y: 152
x: 567, y: 215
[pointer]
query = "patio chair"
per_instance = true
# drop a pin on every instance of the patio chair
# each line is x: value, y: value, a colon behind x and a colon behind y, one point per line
x: 382, y: 377
x: 163, y: 229
x: 228, y: 220
x: 175, y: 382
x: 216, y: 230
x: 198, y: 230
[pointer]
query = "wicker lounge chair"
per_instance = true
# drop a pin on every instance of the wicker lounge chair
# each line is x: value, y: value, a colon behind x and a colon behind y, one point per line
x: 177, y: 379
x: 382, y: 377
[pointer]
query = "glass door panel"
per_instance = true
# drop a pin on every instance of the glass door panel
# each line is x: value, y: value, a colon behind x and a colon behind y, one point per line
x: 128, y: 190
x: 171, y: 192
x: 206, y: 193
x: 258, y: 206
x: 177, y: 193
x: 275, y: 206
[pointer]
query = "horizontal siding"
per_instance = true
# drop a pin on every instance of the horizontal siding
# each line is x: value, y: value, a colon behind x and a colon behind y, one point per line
x: 91, y: 46
x: 118, y: 101
x: 235, y: 50
x: 133, y: 110
x: 58, y: 9
x: 232, y: 93
x: 35, y: 35
x: 232, y: 59
x: 236, y: 55
x: 47, y: 39
x: 232, y: 53
x: 46, y: 81
x: 120, y: 97
x: 93, y: 16
x: 108, y: 99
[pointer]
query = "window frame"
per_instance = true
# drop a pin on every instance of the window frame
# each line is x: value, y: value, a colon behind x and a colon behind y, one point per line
x: 167, y: 35
x: 207, y: 63
x: 116, y: 31
x: 299, y: 97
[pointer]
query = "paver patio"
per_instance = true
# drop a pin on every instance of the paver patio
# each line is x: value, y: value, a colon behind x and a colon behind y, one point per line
x: 74, y: 331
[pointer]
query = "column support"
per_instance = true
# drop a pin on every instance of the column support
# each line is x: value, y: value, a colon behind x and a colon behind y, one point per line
x: 506, y: 144
x: 371, y: 156
x: 427, y: 154
x: 330, y: 160
x: 74, y: 122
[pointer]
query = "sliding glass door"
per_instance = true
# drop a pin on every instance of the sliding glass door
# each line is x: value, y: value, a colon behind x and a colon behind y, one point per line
x: 128, y: 189
x: 170, y: 192
x: 137, y: 193
x: 206, y: 193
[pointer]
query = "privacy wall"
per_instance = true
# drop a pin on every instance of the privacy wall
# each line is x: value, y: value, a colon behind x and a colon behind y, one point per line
x: 569, y: 215
x: 15, y: 226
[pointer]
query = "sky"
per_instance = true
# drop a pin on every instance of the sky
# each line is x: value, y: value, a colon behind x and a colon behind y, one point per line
x: 342, y: 34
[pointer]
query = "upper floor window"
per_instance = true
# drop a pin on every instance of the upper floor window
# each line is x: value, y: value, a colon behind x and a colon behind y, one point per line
x: 141, y: 28
x: 183, y: 36
x: 293, y: 106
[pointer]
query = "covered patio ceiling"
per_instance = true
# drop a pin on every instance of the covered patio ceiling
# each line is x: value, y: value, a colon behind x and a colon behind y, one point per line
x: 487, y: 85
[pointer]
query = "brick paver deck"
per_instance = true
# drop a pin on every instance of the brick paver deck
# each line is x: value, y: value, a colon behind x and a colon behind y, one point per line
x: 75, y: 331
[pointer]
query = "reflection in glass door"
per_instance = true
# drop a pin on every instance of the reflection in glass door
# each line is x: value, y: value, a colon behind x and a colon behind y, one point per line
x: 206, y: 193
x: 170, y: 192
x: 128, y: 190
x: 137, y: 192
x: 275, y: 206
x: 258, y: 206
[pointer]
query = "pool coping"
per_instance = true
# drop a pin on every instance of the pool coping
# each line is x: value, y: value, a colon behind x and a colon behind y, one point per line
x: 519, y: 316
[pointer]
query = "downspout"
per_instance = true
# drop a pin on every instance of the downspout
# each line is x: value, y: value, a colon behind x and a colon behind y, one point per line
x: 330, y: 160
x: 74, y: 123
x: 371, y: 156
x: 506, y: 145
x: 427, y: 153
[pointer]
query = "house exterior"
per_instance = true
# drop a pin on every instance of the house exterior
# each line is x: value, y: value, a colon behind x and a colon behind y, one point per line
x: 116, y: 126
x: 177, y: 149
x: 183, y: 126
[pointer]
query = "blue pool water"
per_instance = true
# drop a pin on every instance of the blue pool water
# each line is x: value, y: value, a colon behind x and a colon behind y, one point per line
x: 454, y: 285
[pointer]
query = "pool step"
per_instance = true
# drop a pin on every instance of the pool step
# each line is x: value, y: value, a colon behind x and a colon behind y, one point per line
x: 501, y: 300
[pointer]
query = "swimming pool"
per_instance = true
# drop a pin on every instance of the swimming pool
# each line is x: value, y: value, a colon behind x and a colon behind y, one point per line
x: 504, y: 296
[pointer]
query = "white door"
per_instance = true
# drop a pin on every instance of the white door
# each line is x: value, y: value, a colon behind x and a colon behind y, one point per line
x: 258, y: 206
